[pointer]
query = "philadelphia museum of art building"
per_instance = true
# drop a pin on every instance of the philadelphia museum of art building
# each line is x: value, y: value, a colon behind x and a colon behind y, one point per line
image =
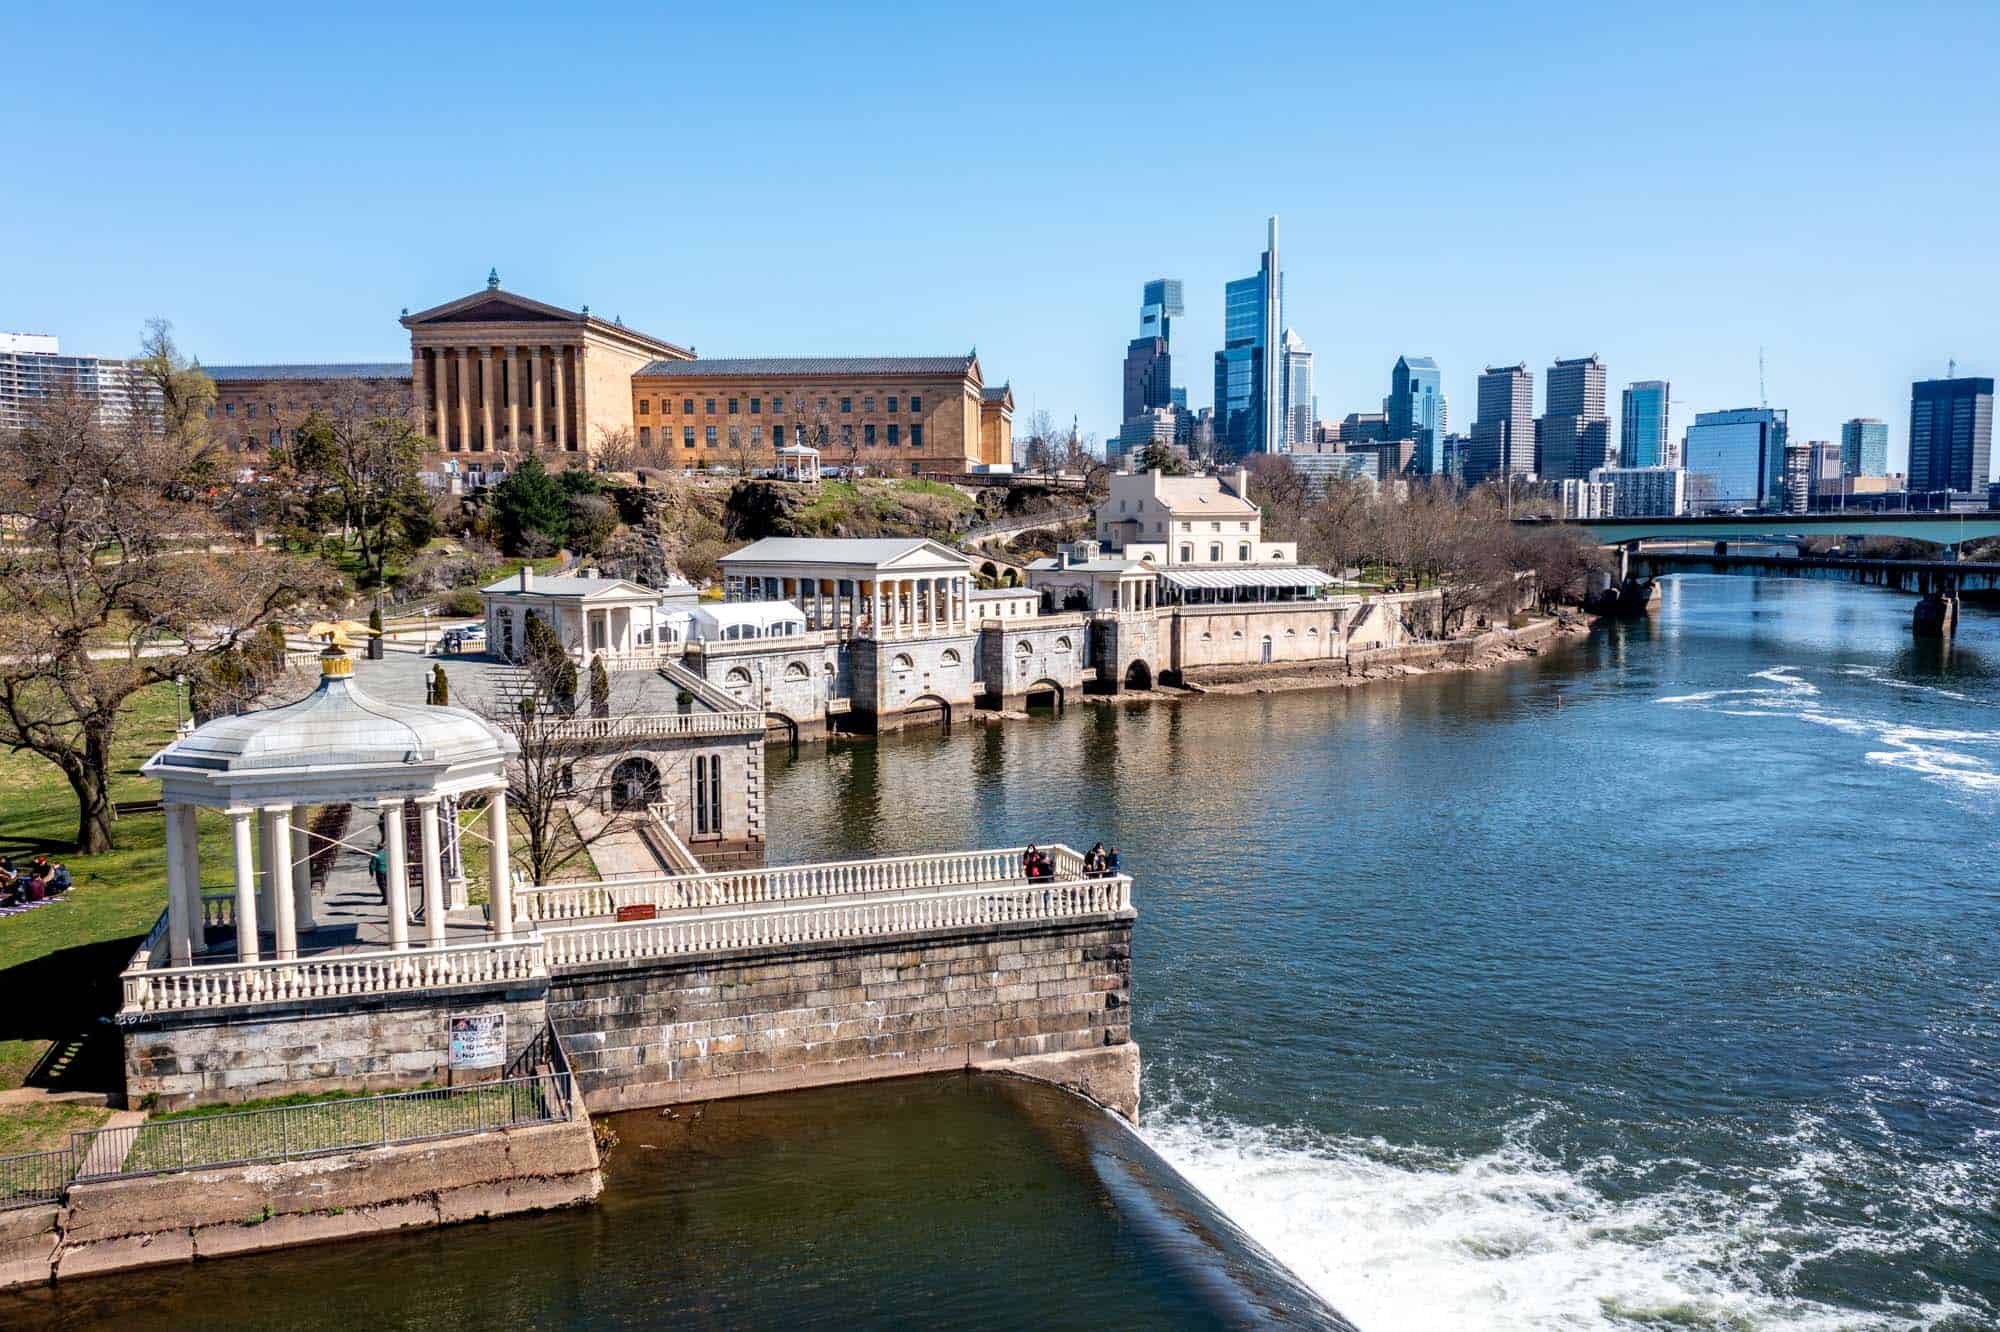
x: 493, y: 375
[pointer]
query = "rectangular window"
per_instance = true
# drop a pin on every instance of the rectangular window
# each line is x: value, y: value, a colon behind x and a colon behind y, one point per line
x: 868, y: 403
x: 756, y: 437
x: 732, y: 406
x: 645, y: 407
x: 708, y: 405
x: 777, y: 437
x: 916, y: 404
x: 708, y: 795
x: 756, y: 406
x: 645, y: 437
x: 847, y: 434
x: 710, y: 438
x: 892, y: 404
x: 916, y: 436
x: 822, y: 404
x: 868, y: 435
x: 250, y: 410
x: 777, y: 403
x: 847, y: 404
x: 687, y: 406
x: 894, y: 430
x: 687, y: 437
x: 229, y: 409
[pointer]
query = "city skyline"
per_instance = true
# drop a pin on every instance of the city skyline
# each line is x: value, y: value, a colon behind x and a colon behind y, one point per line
x: 892, y: 258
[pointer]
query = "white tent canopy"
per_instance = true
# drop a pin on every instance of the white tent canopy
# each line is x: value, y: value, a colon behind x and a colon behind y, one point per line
x: 729, y: 620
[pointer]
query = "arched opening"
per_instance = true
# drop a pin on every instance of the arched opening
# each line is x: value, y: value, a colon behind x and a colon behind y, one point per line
x: 635, y: 784
x: 989, y: 573
x: 1138, y: 676
x: 1045, y: 694
x: 928, y: 710
x: 1008, y: 578
x: 777, y: 724
x: 797, y: 673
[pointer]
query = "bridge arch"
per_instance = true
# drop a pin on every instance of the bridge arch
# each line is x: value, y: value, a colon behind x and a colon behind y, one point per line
x: 1139, y: 676
x: 927, y: 710
x: 776, y: 723
x: 1045, y: 693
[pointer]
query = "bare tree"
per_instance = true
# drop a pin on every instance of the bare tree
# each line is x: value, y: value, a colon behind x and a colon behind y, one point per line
x: 617, y: 450
x: 110, y: 584
x: 352, y: 463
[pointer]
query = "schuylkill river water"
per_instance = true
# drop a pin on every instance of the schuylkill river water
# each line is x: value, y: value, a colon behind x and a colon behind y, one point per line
x: 1650, y: 984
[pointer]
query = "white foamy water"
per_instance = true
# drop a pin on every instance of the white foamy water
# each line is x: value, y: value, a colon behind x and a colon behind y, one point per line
x: 1509, y: 1239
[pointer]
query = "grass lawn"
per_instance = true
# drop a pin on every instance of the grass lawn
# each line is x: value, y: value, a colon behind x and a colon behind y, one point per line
x: 59, y: 963
x: 46, y: 1125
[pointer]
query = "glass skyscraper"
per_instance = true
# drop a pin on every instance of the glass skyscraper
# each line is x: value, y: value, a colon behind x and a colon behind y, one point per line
x: 1298, y: 393
x: 1416, y: 410
x: 1149, y: 362
x: 1864, y: 447
x: 1249, y: 398
x: 1736, y: 460
x: 1644, y: 424
x: 1574, y: 434
x: 1502, y: 442
x: 1951, y: 435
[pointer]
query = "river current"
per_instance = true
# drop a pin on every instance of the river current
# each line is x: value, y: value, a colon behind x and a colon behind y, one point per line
x: 1648, y: 984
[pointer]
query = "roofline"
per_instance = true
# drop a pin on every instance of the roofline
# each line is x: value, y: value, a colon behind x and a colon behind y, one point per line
x: 700, y: 363
x: 556, y: 315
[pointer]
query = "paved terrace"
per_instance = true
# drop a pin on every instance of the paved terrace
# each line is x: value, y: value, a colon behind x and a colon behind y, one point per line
x: 606, y: 922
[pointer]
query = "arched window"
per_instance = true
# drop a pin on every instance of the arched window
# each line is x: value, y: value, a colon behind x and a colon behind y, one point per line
x: 1063, y: 643
x: 797, y: 671
x: 738, y: 678
x: 902, y: 663
x: 950, y: 657
x: 1021, y: 650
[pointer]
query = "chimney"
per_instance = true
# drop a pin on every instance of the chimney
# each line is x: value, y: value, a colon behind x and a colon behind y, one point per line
x: 527, y: 578
x: 1242, y: 477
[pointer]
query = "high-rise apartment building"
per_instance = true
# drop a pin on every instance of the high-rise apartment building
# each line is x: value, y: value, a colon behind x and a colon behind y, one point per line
x: 1644, y: 420
x: 1645, y: 492
x: 1416, y: 410
x: 1298, y: 393
x: 1574, y: 434
x: 32, y: 368
x: 1864, y: 447
x: 1736, y: 460
x: 1951, y: 435
x: 1249, y: 399
x: 1503, y: 435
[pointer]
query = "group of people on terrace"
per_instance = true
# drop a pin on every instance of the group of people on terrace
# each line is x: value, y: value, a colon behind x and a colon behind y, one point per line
x: 1098, y: 863
x: 37, y: 881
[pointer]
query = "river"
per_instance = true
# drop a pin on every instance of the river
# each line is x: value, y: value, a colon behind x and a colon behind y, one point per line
x: 1650, y: 983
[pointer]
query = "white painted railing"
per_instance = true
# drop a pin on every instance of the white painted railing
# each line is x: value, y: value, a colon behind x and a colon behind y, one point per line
x: 643, y: 659
x: 786, y: 883
x: 905, y: 913
x: 647, y: 725
x: 218, y: 911
x: 167, y: 989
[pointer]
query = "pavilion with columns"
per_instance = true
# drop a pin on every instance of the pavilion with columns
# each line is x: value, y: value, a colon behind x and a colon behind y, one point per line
x: 888, y: 587
x: 337, y: 747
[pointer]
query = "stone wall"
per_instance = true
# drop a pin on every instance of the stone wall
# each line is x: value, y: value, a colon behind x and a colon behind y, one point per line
x: 793, y: 679
x: 741, y: 836
x: 339, y: 1043
x: 900, y: 682
x: 119, y: 1224
x: 1015, y: 654
x: 740, y: 1024
x: 1295, y: 632
x: 1119, y: 640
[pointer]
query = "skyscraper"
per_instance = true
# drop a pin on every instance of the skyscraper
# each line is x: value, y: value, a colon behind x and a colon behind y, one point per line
x: 1149, y: 360
x: 1248, y: 395
x: 1159, y: 307
x: 1736, y: 460
x: 1951, y: 434
x: 1644, y: 420
x: 1864, y: 447
x: 1416, y: 409
x: 1298, y: 393
x: 32, y: 368
x: 1574, y: 434
x: 1503, y: 435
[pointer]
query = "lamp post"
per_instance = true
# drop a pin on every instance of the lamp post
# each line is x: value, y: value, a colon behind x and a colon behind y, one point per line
x: 182, y: 722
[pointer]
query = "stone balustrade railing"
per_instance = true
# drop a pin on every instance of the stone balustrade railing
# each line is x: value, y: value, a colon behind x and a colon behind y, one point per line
x: 218, y: 911
x: 903, y: 913
x: 648, y: 725
x: 785, y: 883
x: 169, y: 989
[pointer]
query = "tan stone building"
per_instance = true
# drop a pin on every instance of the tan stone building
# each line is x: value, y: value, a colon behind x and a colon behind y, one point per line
x: 888, y: 414
x: 258, y: 406
x: 495, y: 372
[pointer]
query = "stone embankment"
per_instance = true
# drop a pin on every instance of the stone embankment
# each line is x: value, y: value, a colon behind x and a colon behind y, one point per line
x: 1477, y: 652
x: 115, y: 1225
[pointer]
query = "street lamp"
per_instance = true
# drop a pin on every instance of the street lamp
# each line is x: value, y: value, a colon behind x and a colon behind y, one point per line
x: 183, y: 723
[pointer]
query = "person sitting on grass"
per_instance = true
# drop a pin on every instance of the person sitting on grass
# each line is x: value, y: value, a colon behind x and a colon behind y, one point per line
x: 60, y: 881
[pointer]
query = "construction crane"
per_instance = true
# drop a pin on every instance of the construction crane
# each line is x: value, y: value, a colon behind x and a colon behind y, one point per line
x: 1763, y: 398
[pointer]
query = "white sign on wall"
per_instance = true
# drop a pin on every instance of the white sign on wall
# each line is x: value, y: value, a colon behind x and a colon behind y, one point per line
x: 478, y: 1040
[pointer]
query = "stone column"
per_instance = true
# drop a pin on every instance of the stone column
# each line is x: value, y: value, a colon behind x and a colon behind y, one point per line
x: 464, y: 398
x: 431, y: 869
x: 278, y: 851
x: 302, y: 879
x: 441, y: 374
x: 513, y: 397
x: 486, y: 397
x: 501, y: 893
x: 562, y: 404
x: 420, y: 386
x: 180, y: 946
x: 576, y: 383
x: 399, y: 875
x: 538, y: 389
x: 246, y: 884
x: 190, y: 837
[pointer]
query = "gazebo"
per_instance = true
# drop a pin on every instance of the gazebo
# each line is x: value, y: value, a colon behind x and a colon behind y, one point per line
x: 337, y: 746
x: 799, y: 462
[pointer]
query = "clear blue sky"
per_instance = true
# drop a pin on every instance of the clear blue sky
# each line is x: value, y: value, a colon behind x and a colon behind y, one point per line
x: 1670, y: 187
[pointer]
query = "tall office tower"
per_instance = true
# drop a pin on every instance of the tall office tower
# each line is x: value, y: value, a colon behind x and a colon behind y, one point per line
x: 1826, y: 473
x: 1248, y: 395
x: 1503, y: 435
x: 1159, y: 307
x: 1574, y: 435
x: 1149, y: 365
x: 1736, y: 460
x: 33, y: 368
x: 1416, y: 410
x: 1298, y: 393
x: 1798, y: 477
x: 1951, y: 435
x: 1643, y: 424
x: 1864, y: 447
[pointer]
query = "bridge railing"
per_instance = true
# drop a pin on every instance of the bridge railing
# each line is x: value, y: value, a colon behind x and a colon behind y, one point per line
x: 330, y: 975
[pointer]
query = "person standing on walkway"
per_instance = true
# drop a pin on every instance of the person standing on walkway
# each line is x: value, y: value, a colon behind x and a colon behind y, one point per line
x: 378, y: 866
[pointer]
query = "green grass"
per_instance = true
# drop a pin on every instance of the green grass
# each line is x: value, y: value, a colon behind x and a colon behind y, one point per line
x: 43, y: 1126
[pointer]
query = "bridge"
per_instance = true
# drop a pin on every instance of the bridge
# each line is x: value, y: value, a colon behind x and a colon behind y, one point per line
x: 1938, y: 582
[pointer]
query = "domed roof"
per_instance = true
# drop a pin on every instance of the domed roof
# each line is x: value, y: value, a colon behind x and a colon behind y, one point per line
x: 339, y: 725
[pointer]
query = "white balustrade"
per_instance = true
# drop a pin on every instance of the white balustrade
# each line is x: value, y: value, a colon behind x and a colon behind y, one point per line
x: 167, y: 989
x: 646, y: 725
x: 785, y: 883
x: 218, y: 911
x: 906, y: 913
